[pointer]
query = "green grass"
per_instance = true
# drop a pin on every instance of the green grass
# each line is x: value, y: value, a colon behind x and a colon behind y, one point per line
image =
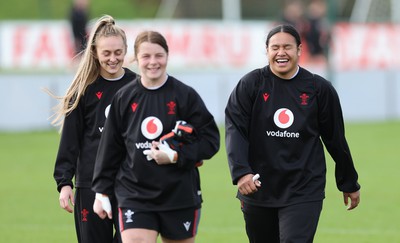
x: 30, y: 212
x: 59, y: 9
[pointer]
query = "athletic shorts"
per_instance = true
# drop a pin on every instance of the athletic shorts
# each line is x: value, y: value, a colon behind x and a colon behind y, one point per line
x: 89, y: 226
x: 294, y: 223
x: 174, y: 225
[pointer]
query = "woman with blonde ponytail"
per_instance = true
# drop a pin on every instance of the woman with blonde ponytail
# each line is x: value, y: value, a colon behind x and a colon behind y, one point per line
x: 81, y: 115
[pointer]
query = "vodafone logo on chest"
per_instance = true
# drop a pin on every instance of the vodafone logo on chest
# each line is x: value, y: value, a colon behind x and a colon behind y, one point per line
x: 151, y: 127
x: 283, y: 118
x: 106, y: 111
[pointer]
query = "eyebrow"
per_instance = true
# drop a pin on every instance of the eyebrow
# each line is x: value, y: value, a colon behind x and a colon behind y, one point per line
x: 106, y: 50
x: 284, y: 45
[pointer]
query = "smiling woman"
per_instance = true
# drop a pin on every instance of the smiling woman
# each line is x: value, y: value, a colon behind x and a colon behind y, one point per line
x: 284, y: 50
x: 82, y: 113
x: 157, y: 184
x: 110, y: 51
x: 296, y: 109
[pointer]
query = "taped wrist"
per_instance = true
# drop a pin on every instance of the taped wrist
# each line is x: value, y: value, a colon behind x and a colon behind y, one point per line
x: 105, y: 201
x: 172, y: 154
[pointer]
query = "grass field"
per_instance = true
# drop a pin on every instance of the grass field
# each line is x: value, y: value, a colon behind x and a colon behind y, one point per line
x: 29, y: 201
x: 59, y: 9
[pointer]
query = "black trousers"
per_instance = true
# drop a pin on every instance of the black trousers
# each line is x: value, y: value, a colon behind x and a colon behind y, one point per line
x: 89, y: 226
x: 291, y: 224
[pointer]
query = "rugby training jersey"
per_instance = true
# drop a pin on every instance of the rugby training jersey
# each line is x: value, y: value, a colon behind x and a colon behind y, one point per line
x: 274, y: 128
x: 82, y: 130
x: 139, y: 116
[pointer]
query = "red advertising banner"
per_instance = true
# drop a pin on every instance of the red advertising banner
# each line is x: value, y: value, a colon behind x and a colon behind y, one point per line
x: 35, y: 45
x: 201, y: 45
x: 193, y: 44
x: 365, y: 46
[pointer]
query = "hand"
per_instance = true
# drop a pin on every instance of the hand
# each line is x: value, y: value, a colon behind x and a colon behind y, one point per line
x: 102, y: 206
x: 161, y: 153
x: 67, y: 197
x: 183, y: 130
x: 183, y: 133
x: 354, y: 199
x: 148, y: 153
x: 165, y: 150
x: 247, y: 185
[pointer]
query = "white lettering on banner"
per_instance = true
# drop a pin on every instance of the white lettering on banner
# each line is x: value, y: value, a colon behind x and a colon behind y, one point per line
x: 192, y: 44
x: 366, y: 46
x: 201, y: 45
x: 37, y: 45
x: 208, y: 44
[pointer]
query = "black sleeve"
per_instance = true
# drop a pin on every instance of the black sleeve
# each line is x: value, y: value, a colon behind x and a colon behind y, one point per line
x: 237, y: 119
x: 333, y: 135
x: 110, y: 153
x: 69, y: 148
x: 207, y: 145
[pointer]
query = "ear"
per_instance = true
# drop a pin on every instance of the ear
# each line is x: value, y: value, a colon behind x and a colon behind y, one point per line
x: 299, y: 49
x: 93, y: 51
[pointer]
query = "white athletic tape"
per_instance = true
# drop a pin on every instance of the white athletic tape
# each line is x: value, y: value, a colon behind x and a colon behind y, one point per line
x: 148, y: 154
x: 164, y: 147
x: 256, y: 177
x: 105, y: 202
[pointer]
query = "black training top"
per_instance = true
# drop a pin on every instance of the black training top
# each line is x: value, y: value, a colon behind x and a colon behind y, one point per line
x: 274, y: 128
x: 139, y: 116
x: 82, y: 131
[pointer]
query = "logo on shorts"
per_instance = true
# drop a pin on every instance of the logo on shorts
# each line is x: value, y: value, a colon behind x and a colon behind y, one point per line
x: 151, y: 127
x: 84, y: 213
x: 128, y: 215
x: 283, y: 118
x: 187, y: 225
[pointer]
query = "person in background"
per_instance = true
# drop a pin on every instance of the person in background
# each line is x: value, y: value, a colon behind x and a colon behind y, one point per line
x: 158, y: 131
x: 293, y: 13
x: 316, y: 32
x: 78, y: 18
x: 82, y: 112
x: 277, y: 120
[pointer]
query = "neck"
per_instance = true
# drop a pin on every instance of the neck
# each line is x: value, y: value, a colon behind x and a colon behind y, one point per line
x: 154, y: 84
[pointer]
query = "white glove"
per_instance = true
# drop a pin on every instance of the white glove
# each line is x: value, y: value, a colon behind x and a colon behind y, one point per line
x: 148, y: 154
x: 164, y: 147
x: 176, y: 130
x: 105, y: 202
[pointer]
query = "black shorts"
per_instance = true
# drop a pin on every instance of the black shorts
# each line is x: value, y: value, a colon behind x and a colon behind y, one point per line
x: 89, y: 226
x: 175, y: 224
x: 294, y: 223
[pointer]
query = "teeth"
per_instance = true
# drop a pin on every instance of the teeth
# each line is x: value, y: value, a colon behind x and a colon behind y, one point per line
x: 282, y: 60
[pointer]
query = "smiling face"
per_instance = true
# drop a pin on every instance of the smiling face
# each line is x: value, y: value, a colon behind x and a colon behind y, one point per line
x: 283, y: 54
x: 110, y: 52
x: 152, y: 61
